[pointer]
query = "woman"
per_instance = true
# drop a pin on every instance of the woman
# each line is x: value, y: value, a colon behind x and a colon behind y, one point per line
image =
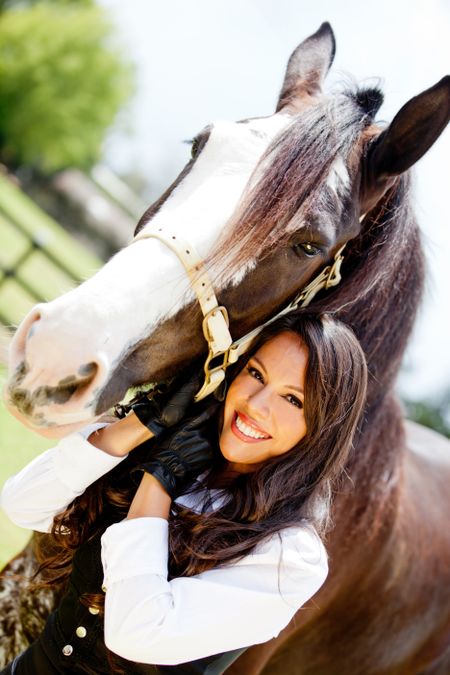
x: 217, y: 547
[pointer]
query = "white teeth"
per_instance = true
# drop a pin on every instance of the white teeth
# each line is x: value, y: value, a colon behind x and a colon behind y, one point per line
x: 248, y: 431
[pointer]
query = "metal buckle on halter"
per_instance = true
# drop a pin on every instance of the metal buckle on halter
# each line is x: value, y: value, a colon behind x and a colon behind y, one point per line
x: 214, y: 375
x: 207, y: 332
x: 334, y: 274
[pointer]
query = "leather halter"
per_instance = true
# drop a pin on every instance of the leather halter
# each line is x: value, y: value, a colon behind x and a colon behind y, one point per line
x: 222, y: 350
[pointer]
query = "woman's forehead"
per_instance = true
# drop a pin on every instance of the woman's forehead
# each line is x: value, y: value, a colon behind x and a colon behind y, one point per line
x: 284, y: 354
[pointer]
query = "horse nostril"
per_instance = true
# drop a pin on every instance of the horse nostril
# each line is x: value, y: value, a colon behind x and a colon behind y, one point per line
x: 32, y: 328
x: 29, y: 401
x: 88, y: 370
x: 73, y: 384
x: 25, y: 332
x: 50, y: 382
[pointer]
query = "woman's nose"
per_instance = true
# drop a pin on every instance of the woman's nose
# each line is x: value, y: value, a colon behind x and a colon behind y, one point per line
x: 259, y: 403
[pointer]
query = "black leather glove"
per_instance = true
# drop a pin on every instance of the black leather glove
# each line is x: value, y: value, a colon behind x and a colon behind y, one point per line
x: 160, y: 411
x: 181, y: 454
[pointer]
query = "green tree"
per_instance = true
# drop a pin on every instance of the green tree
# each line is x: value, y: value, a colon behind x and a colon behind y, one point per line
x: 7, y: 4
x: 62, y: 82
x: 434, y: 414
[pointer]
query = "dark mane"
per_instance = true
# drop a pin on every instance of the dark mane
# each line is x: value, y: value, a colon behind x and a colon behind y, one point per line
x: 382, y: 284
x: 382, y: 274
x: 378, y: 297
x: 288, y: 187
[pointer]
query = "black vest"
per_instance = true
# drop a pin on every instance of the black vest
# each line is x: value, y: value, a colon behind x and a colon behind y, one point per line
x: 73, y: 636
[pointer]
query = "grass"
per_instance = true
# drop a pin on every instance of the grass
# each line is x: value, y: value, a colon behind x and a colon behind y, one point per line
x: 21, y: 220
x: 18, y: 446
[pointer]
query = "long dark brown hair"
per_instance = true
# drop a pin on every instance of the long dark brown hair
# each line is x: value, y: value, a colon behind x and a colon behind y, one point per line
x: 284, y: 491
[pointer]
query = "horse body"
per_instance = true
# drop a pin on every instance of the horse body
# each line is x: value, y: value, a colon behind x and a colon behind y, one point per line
x: 385, y: 607
x: 383, y: 611
x: 308, y: 174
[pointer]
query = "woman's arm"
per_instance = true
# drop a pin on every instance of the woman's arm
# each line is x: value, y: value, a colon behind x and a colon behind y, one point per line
x: 120, y: 438
x: 150, y: 500
x: 52, y: 480
x: 152, y: 620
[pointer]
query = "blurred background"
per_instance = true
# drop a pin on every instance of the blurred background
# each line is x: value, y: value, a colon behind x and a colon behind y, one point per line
x: 98, y: 99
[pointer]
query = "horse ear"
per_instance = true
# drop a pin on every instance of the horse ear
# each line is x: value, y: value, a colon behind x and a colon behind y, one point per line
x: 307, y: 66
x: 414, y: 129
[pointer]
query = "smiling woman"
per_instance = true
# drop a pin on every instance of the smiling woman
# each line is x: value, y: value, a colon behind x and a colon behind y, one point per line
x: 226, y: 512
x: 263, y: 414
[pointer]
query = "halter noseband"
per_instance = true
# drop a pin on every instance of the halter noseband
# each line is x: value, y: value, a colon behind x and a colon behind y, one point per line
x: 222, y: 350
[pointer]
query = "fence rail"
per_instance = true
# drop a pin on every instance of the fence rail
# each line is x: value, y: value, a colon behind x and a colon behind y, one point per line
x: 38, y: 259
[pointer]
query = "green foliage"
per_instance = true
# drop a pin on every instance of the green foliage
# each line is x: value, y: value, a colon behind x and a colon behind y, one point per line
x: 432, y: 414
x: 7, y: 4
x: 62, y: 83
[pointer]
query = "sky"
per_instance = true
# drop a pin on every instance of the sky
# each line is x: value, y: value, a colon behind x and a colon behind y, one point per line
x: 202, y: 60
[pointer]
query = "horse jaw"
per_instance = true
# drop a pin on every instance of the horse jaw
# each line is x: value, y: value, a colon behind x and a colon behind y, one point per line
x: 65, y: 352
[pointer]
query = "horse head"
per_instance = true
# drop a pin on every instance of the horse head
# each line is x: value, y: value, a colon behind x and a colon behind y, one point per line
x: 265, y: 201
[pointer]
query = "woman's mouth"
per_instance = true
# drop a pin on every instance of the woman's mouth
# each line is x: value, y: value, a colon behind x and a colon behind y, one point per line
x: 246, y: 430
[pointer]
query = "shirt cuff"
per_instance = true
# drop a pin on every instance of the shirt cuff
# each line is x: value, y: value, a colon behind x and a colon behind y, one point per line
x: 78, y: 463
x: 135, y: 547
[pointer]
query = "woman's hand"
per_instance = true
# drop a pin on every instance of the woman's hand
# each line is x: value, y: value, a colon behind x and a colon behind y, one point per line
x: 161, y: 412
x: 148, y: 417
x: 181, y: 454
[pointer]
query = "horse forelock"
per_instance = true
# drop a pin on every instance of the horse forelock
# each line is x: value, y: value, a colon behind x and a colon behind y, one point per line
x: 307, y: 175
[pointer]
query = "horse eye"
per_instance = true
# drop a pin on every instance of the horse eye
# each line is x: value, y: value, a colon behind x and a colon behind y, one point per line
x: 308, y: 248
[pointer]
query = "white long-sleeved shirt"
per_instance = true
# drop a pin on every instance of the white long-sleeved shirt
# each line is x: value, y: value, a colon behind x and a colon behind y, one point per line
x: 148, y: 618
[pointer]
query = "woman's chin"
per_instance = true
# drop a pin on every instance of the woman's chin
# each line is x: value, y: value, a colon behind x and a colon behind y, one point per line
x: 234, y: 450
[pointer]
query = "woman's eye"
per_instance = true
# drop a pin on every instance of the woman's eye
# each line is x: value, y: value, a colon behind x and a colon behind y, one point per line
x: 308, y: 248
x: 254, y: 372
x: 293, y: 400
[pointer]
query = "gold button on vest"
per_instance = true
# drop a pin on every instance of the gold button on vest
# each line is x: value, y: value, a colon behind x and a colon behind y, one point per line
x: 81, y: 631
x: 67, y: 650
x: 94, y: 610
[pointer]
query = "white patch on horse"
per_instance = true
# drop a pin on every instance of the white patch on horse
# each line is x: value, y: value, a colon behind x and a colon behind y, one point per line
x: 203, y: 203
x: 338, y: 178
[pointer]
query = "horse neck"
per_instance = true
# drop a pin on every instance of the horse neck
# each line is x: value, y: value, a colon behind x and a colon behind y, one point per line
x: 379, y: 298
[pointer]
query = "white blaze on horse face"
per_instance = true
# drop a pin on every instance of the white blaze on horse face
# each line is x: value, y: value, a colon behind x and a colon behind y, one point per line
x: 338, y: 179
x: 201, y: 205
x: 95, y: 325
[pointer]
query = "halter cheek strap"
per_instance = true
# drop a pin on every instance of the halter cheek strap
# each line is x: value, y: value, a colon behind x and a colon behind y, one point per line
x: 215, y: 322
x: 215, y: 316
x: 222, y: 351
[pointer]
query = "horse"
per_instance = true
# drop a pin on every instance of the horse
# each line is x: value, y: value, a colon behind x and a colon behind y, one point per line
x: 267, y: 202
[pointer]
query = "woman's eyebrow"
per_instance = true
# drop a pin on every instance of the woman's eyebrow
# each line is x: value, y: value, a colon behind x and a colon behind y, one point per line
x: 260, y: 363
x: 288, y: 386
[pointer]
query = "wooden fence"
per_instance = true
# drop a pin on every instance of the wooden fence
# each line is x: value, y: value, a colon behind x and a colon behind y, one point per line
x: 39, y: 260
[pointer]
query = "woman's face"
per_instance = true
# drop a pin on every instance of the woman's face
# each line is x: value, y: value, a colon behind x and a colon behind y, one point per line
x: 263, y: 413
